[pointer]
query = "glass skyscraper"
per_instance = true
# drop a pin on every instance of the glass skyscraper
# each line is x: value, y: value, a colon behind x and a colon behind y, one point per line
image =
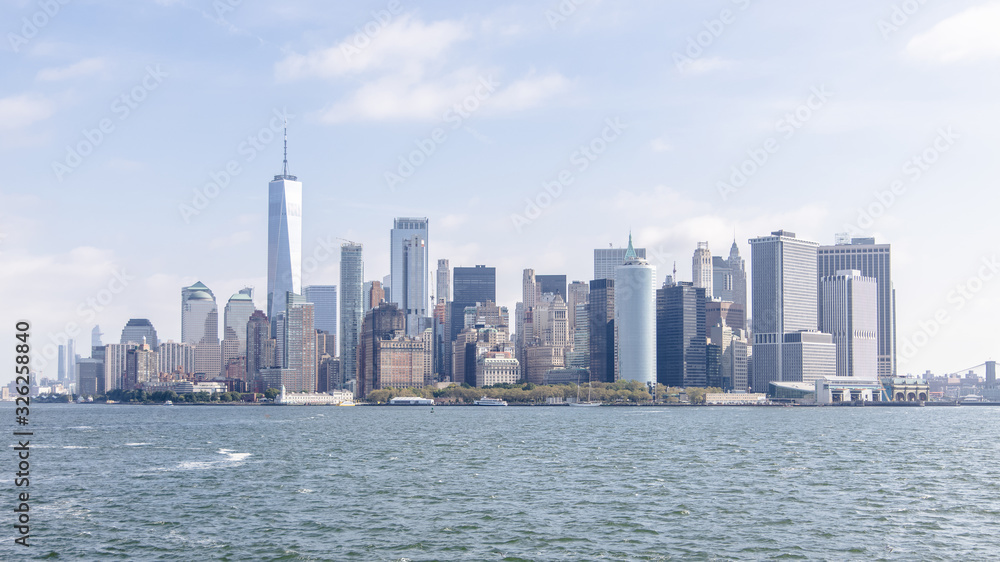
x: 324, y: 299
x: 471, y: 285
x: 284, y: 240
x: 635, y: 319
x: 352, y: 307
x: 409, y: 277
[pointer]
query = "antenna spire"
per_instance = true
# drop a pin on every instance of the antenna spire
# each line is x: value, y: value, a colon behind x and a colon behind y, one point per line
x: 284, y: 171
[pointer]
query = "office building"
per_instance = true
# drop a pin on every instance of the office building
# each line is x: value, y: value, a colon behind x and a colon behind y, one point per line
x: 141, y: 366
x: 555, y: 284
x: 734, y: 315
x: 443, y: 292
x: 733, y: 349
x: 200, y: 328
x: 850, y: 315
x: 352, y: 275
x: 601, y: 330
x: 90, y: 377
x: 635, y: 319
x: 324, y: 299
x: 680, y: 336
x: 701, y: 268
x: 284, y: 240
x: 409, y: 274
x: 737, y: 275
x: 872, y: 260
x: 300, y: 345
x: 176, y: 358
x: 472, y: 285
x: 238, y: 310
x: 578, y: 293
x: 139, y: 330
x: 607, y: 260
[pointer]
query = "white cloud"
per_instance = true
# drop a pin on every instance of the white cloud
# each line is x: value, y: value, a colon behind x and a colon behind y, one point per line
x: 404, y: 45
x: 85, y: 67
x: 529, y: 92
x: 17, y: 112
x: 965, y: 37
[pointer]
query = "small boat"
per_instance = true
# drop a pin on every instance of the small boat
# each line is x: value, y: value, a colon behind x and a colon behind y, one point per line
x: 588, y: 403
x: 168, y: 403
x: 346, y: 403
x: 484, y: 401
x: 411, y: 401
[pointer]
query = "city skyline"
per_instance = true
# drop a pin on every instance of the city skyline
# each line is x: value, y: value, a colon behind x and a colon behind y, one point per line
x: 660, y: 175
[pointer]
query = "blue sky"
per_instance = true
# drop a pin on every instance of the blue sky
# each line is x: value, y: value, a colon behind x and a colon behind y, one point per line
x: 670, y: 98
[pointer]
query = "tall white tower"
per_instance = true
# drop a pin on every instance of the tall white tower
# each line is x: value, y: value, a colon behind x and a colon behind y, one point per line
x: 635, y: 318
x: 850, y: 314
x: 701, y: 268
x: 284, y: 240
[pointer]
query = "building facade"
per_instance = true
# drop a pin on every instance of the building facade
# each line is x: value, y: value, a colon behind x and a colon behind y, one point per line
x: 635, y: 319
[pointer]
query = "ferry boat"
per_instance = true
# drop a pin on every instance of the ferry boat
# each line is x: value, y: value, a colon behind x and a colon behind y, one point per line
x: 168, y: 403
x: 484, y: 401
x: 411, y: 401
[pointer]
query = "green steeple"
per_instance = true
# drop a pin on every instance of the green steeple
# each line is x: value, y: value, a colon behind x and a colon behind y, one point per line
x: 630, y: 253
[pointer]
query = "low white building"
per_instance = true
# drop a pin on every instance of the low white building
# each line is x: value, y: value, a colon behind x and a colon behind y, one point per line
x: 833, y: 390
x: 735, y: 398
x: 335, y: 397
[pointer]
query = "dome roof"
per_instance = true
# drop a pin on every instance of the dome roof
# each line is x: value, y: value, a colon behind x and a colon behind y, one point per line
x: 199, y: 296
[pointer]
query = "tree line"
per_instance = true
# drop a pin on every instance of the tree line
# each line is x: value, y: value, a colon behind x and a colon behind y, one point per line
x: 618, y: 392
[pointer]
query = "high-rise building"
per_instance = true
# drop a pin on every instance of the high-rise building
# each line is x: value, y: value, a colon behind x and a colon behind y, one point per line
x: 443, y: 292
x: 872, y: 260
x: 733, y: 314
x: 200, y: 327
x: 850, y: 315
x: 284, y: 240
x: 414, y: 290
x: 606, y: 260
x: 352, y: 307
x: 95, y: 337
x: 300, y: 345
x: 555, y: 284
x: 71, y: 359
x: 701, y: 268
x: 578, y: 293
x: 784, y: 306
x: 472, y: 285
x: 235, y: 318
x: 61, y: 363
x: 374, y: 295
x: 722, y: 279
x: 635, y: 319
x: 579, y: 358
x: 114, y: 365
x: 141, y: 366
x: 139, y: 330
x: 176, y: 358
x: 409, y: 275
x: 738, y: 278
x: 386, y: 322
x: 90, y: 377
x: 732, y: 349
x: 601, y: 330
x: 260, y: 346
x: 324, y: 299
x: 680, y: 335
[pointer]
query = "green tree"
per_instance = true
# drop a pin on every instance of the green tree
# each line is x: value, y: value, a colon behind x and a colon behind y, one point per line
x: 271, y: 393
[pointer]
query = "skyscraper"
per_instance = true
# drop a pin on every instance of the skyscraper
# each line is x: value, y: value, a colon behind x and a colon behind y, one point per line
x: 352, y: 280
x: 701, y: 268
x: 414, y: 289
x: 738, y: 277
x: 680, y: 335
x: 443, y: 291
x: 409, y: 274
x: 872, y: 260
x: 300, y: 345
x: 284, y: 240
x: 601, y: 330
x: 260, y: 355
x: 722, y: 279
x: 472, y: 285
x: 324, y: 299
x: 850, y: 315
x: 138, y: 328
x: 234, y: 339
x: 176, y: 358
x: 784, y: 312
x: 606, y: 260
x: 200, y: 328
x: 635, y: 319
x: 555, y: 284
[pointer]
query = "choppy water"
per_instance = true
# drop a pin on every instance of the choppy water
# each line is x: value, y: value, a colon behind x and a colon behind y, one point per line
x: 293, y: 483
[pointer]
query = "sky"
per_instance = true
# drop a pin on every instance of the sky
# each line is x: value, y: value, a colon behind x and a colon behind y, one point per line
x: 137, y: 139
